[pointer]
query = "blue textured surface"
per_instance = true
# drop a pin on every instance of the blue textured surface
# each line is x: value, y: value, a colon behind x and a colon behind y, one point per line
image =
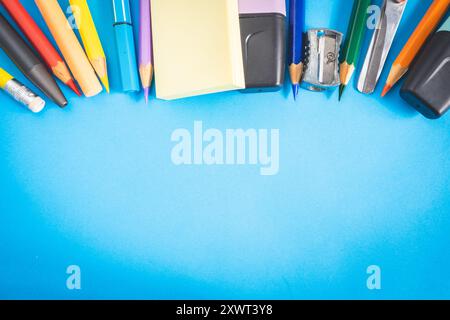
x: 361, y: 182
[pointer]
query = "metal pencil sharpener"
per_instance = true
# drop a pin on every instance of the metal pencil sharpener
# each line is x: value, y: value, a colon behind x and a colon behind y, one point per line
x: 322, y: 60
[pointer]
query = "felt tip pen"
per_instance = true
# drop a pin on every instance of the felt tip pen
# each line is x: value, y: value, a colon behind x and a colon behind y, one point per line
x: 123, y: 28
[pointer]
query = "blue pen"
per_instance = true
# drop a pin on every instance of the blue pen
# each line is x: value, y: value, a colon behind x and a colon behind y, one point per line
x: 123, y: 27
x: 296, y: 29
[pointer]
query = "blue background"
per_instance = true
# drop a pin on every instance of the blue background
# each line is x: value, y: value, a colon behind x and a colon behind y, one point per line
x: 361, y: 182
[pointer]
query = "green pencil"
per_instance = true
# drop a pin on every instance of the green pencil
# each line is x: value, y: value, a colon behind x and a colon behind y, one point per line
x: 353, y: 42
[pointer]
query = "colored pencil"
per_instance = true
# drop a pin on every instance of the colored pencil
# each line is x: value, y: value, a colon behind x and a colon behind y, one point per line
x: 428, y: 24
x: 123, y: 29
x: 70, y: 47
x: 20, y: 92
x: 353, y: 42
x: 90, y: 39
x: 145, y: 47
x: 30, y: 65
x: 40, y: 43
x: 296, y: 29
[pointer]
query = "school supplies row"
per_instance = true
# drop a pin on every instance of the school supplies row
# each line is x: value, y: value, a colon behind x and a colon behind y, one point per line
x: 76, y: 67
x: 226, y: 45
x: 427, y: 85
x: 207, y: 58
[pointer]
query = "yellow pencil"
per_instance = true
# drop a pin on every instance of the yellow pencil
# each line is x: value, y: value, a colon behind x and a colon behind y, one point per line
x: 91, y: 40
x: 20, y: 93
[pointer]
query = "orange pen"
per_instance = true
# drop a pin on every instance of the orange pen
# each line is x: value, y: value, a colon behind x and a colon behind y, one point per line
x: 426, y: 26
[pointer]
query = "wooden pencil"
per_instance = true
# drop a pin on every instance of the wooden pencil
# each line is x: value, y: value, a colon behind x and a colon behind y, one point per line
x: 353, y: 42
x: 20, y: 92
x: 426, y: 26
x: 40, y: 42
x: 145, y: 47
x: 296, y: 29
x: 90, y: 39
x: 70, y: 47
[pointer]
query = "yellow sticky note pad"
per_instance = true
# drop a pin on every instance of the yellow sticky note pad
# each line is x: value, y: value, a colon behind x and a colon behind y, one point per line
x: 197, y: 47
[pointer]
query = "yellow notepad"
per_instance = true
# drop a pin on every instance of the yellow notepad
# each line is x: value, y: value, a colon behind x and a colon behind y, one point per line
x: 197, y: 47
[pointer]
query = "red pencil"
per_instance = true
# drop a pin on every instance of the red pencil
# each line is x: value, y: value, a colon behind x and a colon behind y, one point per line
x: 40, y: 42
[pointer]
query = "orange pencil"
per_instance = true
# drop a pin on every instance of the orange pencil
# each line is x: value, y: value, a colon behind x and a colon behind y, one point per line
x: 71, y: 49
x: 429, y: 22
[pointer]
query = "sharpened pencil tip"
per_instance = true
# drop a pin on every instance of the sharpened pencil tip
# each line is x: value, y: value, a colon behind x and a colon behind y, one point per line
x: 386, y: 89
x: 105, y: 81
x: 71, y: 84
x: 146, y: 94
x: 295, y: 88
x: 341, y: 91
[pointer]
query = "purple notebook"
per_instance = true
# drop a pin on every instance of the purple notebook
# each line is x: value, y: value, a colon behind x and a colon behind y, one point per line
x: 262, y: 6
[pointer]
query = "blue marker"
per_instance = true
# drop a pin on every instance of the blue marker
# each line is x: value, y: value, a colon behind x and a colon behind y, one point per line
x: 123, y: 27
